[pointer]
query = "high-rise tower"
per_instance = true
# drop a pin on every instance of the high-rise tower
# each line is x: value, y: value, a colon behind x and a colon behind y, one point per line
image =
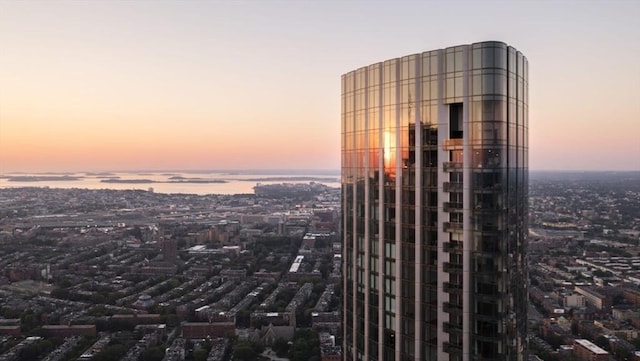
x: 434, y: 186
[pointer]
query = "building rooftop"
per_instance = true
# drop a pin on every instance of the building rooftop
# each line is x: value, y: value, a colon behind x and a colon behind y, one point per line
x: 591, y: 347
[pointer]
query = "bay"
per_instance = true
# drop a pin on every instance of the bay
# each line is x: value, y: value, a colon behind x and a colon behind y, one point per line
x: 185, y: 182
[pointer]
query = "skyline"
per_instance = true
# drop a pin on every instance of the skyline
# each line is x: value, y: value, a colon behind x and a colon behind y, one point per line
x: 231, y: 85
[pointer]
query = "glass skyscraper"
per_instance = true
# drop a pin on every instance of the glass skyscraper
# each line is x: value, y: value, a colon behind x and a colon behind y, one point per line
x: 434, y: 182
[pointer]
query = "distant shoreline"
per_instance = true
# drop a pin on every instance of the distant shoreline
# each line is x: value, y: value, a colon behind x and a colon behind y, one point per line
x: 51, y: 178
x: 105, y: 177
x: 296, y: 179
x: 172, y: 172
x: 149, y: 181
x: 163, y: 182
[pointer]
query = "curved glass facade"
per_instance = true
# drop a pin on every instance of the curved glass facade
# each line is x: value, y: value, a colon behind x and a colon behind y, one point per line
x: 434, y: 181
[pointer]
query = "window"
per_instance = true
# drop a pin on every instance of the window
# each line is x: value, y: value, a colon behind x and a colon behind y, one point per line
x: 455, y: 121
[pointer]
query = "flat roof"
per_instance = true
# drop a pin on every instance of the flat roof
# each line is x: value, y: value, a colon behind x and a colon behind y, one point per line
x: 591, y: 347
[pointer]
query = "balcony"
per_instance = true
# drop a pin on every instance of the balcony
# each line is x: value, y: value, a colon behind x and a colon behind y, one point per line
x: 452, y: 144
x: 451, y: 327
x: 487, y: 289
x: 484, y: 338
x: 492, y: 247
x: 452, y: 166
x: 454, y: 227
x: 451, y: 347
x: 452, y: 267
x: 491, y: 188
x: 449, y: 307
x: 487, y: 206
x: 451, y: 287
x: 453, y: 246
x: 452, y: 207
x: 490, y: 229
x: 452, y: 186
x: 490, y: 316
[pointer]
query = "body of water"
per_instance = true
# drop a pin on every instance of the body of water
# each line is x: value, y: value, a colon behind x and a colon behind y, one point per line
x: 214, y: 182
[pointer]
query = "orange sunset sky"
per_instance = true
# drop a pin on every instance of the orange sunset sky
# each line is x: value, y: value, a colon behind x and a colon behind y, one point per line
x: 161, y: 85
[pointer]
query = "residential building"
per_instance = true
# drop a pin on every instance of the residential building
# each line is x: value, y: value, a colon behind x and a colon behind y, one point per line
x: 575, y: 300
x: 585, y: 350
x: 594, y: 298
x: 434, y: 185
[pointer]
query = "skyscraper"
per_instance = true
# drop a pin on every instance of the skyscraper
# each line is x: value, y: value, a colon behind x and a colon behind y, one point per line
x: 434, y: 181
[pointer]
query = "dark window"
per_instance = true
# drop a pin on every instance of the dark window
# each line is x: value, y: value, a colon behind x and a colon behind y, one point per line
x: 455, y: 121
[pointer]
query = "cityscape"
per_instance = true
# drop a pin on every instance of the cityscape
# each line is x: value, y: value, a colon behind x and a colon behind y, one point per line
x: 138, y: 275
x: 129, y: 275
x: 319, y: 181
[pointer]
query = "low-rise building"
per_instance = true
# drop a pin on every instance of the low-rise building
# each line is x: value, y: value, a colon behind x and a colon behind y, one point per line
x: 69, y: 330
x: 585, y: 350
x: 202, y: 330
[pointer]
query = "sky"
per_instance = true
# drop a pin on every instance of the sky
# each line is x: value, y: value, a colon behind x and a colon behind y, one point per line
x: 89, y: 85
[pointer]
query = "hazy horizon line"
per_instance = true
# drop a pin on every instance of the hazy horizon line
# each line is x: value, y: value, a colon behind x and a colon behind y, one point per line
x: 239, y: 170
x: 279, y: 170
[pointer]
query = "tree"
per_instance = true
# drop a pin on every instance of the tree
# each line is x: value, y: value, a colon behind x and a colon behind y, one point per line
x: 281, y: 347
x: 243, y: 318
x: 200, y: 354
x: 621, y: 353
x: 111, y: 353
x: 62, y: 293
x: 32, y: 351
x: 554, y: 340
x: 575, y: 328
x: 97, y: 298
x: 152, y: 354
x: 306, y: 346
x: 172, y: 320
x: 29, y: 321
x: 206, y: 345
x: 602, y: 342
x: 8, y: 312
x: 244, y: 352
